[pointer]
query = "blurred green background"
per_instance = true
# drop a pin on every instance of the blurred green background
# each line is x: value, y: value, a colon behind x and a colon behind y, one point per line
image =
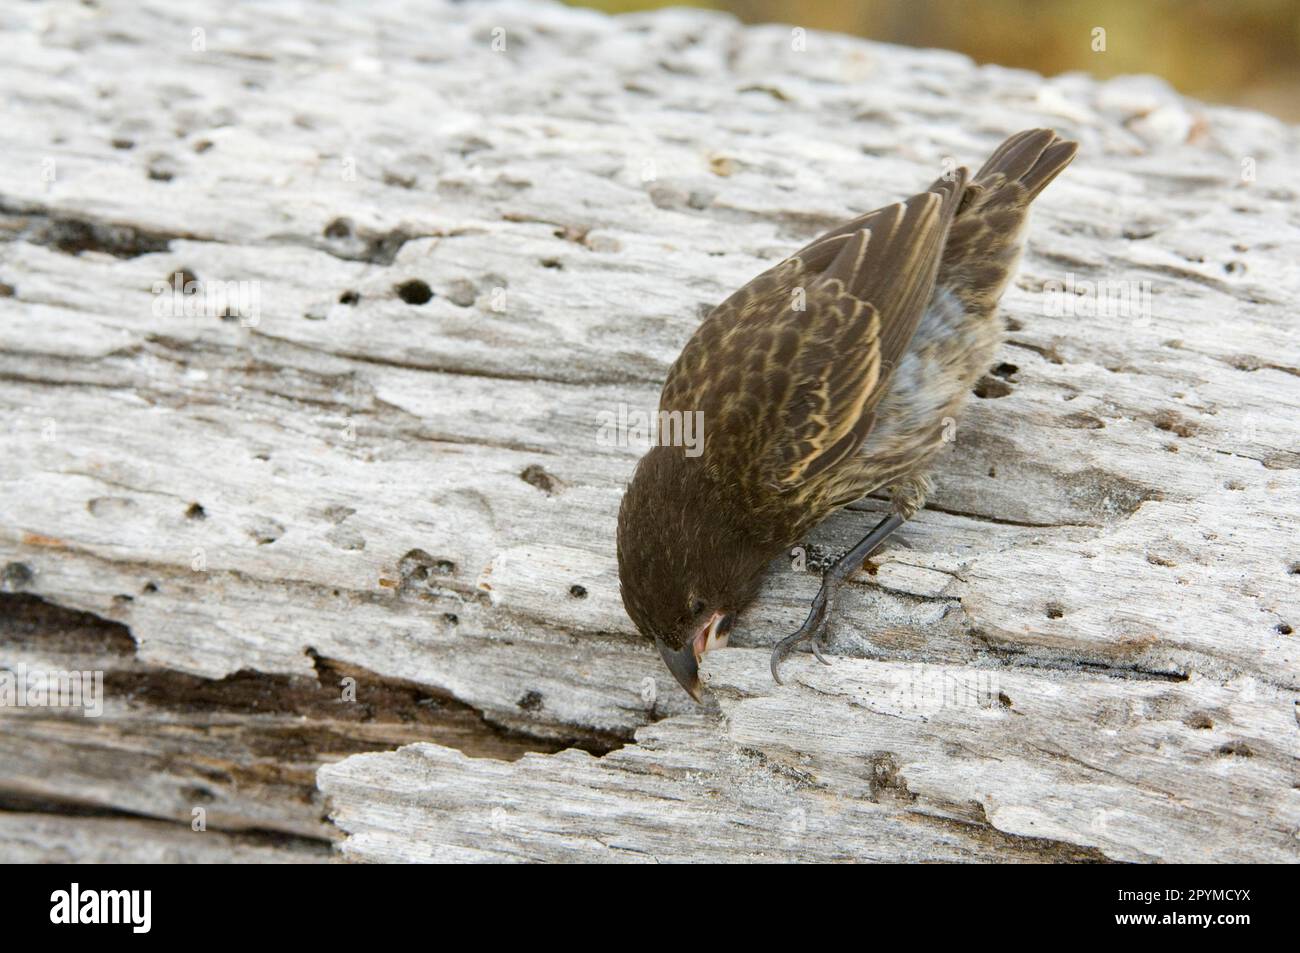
x: 1241, y: 52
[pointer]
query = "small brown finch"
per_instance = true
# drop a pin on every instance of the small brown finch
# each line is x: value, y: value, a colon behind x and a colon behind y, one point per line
x: 823, y: 379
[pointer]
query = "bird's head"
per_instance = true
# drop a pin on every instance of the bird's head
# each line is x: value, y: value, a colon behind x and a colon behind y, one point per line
x: 688, y: 559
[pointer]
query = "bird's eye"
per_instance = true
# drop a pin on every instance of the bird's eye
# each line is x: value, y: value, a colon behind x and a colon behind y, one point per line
x: 697, y: 607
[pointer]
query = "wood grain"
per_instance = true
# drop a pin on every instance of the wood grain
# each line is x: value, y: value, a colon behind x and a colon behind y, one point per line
x: 422, y: 494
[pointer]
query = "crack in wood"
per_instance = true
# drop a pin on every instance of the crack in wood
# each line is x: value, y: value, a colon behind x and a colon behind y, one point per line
x: 1129, y: 575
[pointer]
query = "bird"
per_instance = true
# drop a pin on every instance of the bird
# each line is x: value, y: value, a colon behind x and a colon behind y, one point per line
x: 832, y: 375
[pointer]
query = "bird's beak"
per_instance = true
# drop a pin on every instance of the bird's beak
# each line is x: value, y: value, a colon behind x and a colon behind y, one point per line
x: 684, y: 663
x: 684, y: 666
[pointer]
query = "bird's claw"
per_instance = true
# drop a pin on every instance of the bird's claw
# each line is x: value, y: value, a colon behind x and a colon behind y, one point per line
x: 813, y: 640
x: 812, y: 630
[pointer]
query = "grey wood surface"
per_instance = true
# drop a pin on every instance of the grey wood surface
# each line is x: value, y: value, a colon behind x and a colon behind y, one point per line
x: 1081, y: 650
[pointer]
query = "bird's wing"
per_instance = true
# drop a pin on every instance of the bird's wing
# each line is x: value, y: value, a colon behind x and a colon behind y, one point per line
x: 787, y: 370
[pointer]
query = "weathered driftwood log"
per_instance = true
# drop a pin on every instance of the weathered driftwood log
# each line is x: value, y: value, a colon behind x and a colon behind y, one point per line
x: 358, y: 490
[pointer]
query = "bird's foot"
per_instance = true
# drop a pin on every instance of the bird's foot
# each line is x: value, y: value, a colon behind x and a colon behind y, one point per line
x: 815, y: 625
x: 812, y: 630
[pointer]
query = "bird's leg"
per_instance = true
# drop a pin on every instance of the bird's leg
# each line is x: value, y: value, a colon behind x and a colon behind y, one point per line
x: 835, y: 577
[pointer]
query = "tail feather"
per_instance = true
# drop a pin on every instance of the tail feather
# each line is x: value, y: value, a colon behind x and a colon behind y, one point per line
x: 986, y: 237
x: 1029, y: 159
x: 1048, y: 166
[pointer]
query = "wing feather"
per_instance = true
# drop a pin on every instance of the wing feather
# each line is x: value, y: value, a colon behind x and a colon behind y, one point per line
x: 789, y: 369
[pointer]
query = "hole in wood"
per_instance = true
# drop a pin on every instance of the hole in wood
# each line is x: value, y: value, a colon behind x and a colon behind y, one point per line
x: 414, y: 291
x: 339, y: 228
x: 990, y: 387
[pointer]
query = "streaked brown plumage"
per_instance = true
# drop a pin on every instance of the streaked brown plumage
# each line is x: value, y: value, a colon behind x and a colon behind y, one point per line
x: 823, y: 379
